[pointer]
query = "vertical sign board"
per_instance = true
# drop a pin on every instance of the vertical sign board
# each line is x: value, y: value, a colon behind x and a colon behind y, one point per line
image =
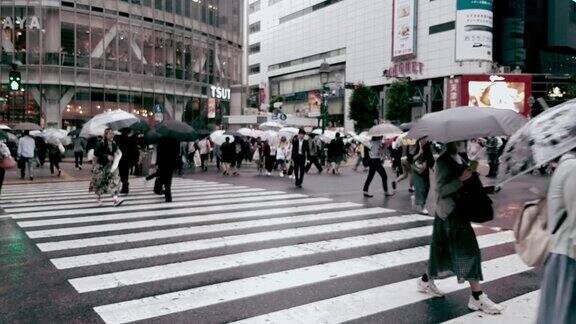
x: 404, y: 29
x: 453, y: 92
x: 474, y: 22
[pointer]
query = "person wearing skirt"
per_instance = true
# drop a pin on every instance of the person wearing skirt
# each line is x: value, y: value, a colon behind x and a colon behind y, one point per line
x: 104, y: 180
x: 454, y: 249
x: 558, y: 290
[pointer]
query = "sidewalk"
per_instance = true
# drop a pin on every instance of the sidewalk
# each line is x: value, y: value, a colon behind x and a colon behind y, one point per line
x: 42, y: 174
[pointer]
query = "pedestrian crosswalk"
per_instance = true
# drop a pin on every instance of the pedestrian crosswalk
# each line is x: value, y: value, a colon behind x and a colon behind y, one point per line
x: 228, y: 253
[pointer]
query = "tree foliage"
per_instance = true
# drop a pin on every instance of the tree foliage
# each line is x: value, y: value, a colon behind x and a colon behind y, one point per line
x: 364, y: 107
x: 399, y: 102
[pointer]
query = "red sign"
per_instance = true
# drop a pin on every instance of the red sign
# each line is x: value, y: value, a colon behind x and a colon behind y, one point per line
x: 505, y: 91
x: 453, y: 92
x: 401, y: 69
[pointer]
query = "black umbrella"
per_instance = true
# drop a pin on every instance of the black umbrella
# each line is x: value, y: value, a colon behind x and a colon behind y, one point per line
x: 176, y: 130
x: 405, y: 127
x: 3, y: 136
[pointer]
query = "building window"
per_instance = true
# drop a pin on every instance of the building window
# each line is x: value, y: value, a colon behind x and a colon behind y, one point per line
x: 254, y: 69
x: 308, y: 10
x: 441, y: 27
x: 254, y: 7
x: 273, y: 2
x: 254, y: 28
x: 254, y: 48
x: 308, y: 59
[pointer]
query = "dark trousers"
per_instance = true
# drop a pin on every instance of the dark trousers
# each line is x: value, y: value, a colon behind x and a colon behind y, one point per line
x: 313, y: 160
x: 376, y: 166
x: 203, y: 159
x: 299, y: 169
x: 124, y: 170
x: 163, y: 183
x: 493, y: 163
x: 54, y: 163
x: 78, y: 157
x: 270, y: 162
x: 2, y: 174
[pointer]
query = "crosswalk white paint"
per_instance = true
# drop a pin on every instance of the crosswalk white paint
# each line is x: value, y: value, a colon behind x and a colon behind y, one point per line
x: 234, y: 245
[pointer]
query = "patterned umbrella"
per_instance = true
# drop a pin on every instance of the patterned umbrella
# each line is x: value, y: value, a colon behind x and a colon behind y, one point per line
x: 543, y: 139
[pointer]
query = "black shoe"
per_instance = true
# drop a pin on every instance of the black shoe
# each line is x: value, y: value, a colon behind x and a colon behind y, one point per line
x: 59, y: 172
x: 31, y: 178
x: 168, y: 200
x: 410, y: 189
x: 159, y: 192
x: 394, y: 185
x: 367, y: 195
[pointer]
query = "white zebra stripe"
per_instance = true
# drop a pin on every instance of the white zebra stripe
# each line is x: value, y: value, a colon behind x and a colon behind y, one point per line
x: 182, y: 247
x: 185, y: 210
x: 107, y: 210
x: 192, y: 220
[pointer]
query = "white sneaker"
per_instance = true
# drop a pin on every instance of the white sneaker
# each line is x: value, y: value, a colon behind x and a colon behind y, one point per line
x: 268, y: 174
x: 281, y: 174
x: 424, y: 211
x: 292, y: 177
x: 428, y: 288
x: 485, y: 305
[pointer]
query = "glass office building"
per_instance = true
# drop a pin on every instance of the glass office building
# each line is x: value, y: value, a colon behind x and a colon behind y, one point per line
x: 79, y: 58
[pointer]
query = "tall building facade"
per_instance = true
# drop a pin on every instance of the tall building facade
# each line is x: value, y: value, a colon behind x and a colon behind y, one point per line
x: 79, y: 58
x: 443, y: 48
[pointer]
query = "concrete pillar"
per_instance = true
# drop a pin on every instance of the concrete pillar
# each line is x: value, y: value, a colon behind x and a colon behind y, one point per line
x: 237, y: 98
x: 51, y: 106
x: 178, y: 108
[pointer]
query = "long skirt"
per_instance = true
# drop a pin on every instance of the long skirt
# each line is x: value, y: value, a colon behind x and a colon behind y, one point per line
x: 558, y: 293
x: 454, y: 250
x: 103, y: 181
x: 421, y: 187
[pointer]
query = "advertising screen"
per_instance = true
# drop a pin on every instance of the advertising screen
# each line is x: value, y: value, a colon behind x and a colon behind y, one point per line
x: 474, y: 22
x: 504, y: 92
x: 404, y: 28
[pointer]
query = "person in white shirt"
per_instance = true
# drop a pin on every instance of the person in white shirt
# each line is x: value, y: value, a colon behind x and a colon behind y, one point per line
x: 26, y: 155
x: 204, y: 148
x: 282, y: 156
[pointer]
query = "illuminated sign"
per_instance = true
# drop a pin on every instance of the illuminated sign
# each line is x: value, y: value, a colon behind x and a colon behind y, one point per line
x: 31, y: 22
x: 220, y: 93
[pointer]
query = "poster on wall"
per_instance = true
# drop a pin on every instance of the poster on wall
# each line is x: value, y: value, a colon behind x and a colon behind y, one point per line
x: 404, y: 29
x: 211, y: 108
x: 453, y: 92
x: 314, y: 103
x: 498, y: 91
x: 474, y: 22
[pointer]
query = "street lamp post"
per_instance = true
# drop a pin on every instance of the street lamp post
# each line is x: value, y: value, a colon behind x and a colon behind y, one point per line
x: 324, y: 73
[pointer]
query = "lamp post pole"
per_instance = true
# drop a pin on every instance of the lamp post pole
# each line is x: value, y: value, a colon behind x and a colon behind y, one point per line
x: 324, y: 74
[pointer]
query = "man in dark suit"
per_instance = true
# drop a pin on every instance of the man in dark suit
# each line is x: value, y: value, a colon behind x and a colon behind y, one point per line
x: 168, y: 157
x: 300, y: 152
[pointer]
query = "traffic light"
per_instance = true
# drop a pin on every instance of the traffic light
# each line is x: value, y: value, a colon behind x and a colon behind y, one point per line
x: 15, y: 81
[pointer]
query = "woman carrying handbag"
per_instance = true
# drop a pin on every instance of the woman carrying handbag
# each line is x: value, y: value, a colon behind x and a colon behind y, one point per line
x: 6, y: 162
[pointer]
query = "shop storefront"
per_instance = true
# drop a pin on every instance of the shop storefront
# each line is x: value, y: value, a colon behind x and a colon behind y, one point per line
x: 80, y: 58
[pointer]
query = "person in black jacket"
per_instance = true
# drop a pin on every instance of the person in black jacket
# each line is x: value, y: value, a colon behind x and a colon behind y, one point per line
x: 127, y: 143
x: 336, y: 152
x: 167, y: 160
x: 228, y: 152
x: 300, y: 153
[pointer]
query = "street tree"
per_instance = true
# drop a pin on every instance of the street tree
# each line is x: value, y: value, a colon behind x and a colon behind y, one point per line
x: 399, y: 102
x: 364, y: 107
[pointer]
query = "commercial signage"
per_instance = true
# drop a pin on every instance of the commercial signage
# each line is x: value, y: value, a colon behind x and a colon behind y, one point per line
x: 220, y: 93
x: 474, y: 22
x: 31, y: 22
x: 211, y: 108
x: 453, y: 92
x: 404, y: 29
x: 510, y: 91
x: 405, y: 68
x: 314, y: 103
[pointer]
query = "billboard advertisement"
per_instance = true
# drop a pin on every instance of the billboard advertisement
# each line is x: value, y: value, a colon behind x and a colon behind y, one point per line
x: 211, y: 108
x: 474, y: 22
x: 498, y: 91
x: 404, y: 29
x: 314, y: 103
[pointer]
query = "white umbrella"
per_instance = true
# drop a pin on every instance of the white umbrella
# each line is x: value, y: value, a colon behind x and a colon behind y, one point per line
x: 115, y: 119
x: 328, y: 136
x: 272, y: 137
x: 56, y: 136
x: 363, y: 138
x: 288, y: 132
x: 258, y: 133
x: 317, y: 131
x: 385, y: 130
x: 5, y: 127
x: 246, y: 132
x: 270, y: 125
x: 35, y: 133
x: 218, y: 137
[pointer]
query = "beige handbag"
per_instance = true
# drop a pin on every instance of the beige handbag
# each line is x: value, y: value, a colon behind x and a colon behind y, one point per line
x: 530, y: 232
